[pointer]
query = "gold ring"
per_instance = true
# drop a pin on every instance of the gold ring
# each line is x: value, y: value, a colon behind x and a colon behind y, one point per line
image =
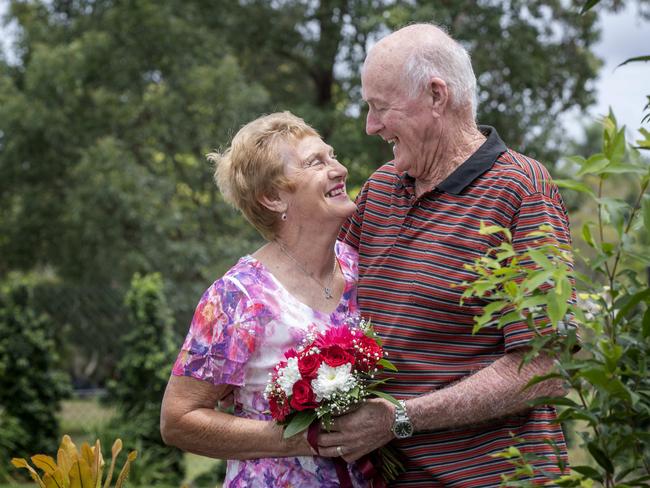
x: 339, y: 450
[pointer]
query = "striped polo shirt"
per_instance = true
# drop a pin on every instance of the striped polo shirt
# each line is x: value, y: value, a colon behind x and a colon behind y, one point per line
x: 412, y: 253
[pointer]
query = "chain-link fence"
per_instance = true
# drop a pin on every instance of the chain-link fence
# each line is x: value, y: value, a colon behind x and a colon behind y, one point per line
x: 85, y: 414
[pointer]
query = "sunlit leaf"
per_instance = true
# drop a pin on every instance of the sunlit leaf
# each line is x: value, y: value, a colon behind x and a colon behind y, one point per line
x: 44, y: 463
x: 125, y: 469
x: 81, y: 475
x: 21, y: 463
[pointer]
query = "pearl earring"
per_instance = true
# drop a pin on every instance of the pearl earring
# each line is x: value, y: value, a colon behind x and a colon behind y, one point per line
x: 284, y: 216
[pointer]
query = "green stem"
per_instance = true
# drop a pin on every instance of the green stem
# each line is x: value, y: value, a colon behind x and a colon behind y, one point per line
x: 635, y: 209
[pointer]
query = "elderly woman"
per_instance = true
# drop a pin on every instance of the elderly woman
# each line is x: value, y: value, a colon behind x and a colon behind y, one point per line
x: 289, y: 185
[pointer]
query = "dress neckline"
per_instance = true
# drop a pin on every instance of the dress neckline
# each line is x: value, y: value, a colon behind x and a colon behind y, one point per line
x: 340, y: 304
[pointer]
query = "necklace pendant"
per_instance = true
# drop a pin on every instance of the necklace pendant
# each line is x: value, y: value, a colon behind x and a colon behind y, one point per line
x: 328, y: 293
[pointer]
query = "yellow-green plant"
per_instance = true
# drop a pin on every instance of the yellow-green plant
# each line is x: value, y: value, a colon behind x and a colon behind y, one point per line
x: 75, y: 468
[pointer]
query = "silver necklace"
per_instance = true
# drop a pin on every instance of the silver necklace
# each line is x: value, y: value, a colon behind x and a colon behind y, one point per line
x: 327, y: 289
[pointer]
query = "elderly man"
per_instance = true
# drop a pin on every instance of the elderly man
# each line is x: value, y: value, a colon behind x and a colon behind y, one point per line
x: 416, y: 226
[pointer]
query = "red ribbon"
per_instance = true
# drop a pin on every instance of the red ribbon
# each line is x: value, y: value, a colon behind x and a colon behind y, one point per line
x: 370, y: 469
x: 339, y: 463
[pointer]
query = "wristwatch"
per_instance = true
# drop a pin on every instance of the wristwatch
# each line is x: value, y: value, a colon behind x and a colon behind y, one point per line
x: 402, y: 427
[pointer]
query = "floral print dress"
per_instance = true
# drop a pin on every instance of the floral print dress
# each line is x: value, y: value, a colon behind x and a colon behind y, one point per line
x: 242, y: 326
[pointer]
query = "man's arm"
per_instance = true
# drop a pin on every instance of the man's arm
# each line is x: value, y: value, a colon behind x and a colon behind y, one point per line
x: 493, y: 392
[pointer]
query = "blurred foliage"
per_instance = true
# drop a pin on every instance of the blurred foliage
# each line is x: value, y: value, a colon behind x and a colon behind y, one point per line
x: 77, y: 467
x: 148, y: 351
x: 32, y: 384
x: 610, y: 377
x: 107, y: 109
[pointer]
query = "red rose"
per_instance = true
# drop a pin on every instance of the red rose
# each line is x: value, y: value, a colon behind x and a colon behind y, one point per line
x: 308, y: 365
x: 303, y: 396
x: 279, y: 408
x: 368, y: 353
x: 336, y: 356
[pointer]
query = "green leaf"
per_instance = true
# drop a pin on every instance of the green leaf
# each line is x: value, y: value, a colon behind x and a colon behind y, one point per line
x: 646, y: 215
x: 494, y: 229
x: 299, y: 422
x: 589, y: 472
x: 387, y: 365
x: 386, y: 396
x: 588, y: 5
x: 615, y: 149
x: 645, y: 142
x: 645, y: 327
x: 636, y: 59
x: 630, y: 303
x: 542, y: 378
x: 600, y: 457
x: 575, y: 186
x: 622, y: 168
x: 563, y: 401
x: 593, y: 165
x: 586, y: 235
x: 538, y: 279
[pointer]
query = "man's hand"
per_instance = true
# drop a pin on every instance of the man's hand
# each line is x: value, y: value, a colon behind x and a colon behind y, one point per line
x: 359, y: 432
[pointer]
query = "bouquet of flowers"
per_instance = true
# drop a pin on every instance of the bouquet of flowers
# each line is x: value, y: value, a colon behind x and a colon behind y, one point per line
x: 328, y: 375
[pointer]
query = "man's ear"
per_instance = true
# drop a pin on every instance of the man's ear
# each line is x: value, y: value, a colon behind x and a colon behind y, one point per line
x: 275, y: 203
x: 439, y: 94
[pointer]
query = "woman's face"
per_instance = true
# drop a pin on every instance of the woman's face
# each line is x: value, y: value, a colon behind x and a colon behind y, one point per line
x: 319, y: 195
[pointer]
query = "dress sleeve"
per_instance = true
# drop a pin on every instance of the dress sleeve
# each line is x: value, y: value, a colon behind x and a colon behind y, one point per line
x: 536, y: 209
x: 223, y: 335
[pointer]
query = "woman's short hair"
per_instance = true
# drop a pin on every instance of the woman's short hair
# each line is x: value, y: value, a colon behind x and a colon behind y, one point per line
x: 254, y: 166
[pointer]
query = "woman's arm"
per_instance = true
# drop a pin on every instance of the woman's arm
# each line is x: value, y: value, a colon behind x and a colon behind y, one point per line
x: 189, y: 421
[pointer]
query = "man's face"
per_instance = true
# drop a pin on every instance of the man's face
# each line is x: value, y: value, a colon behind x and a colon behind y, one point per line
x: 406, y: 123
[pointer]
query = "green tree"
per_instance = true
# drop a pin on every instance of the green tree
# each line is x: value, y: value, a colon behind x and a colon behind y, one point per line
x: 110, y: 106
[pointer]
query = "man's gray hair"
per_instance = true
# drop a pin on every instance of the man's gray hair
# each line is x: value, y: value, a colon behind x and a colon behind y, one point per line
x: 447, y: 60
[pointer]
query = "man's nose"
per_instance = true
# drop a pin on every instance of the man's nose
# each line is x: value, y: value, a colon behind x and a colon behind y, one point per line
x: 373, y: 125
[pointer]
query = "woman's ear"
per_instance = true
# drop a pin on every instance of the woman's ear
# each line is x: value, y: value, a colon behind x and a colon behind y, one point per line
x: 275, y: 203
x: 439, y: 94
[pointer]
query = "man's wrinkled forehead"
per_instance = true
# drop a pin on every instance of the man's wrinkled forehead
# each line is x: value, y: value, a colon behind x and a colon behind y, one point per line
x: 382, y: 69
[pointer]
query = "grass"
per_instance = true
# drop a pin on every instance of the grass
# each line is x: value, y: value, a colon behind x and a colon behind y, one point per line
x: 82, y: 416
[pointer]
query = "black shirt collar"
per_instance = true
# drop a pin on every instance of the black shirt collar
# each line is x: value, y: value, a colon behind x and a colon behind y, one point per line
x: 477, y: 164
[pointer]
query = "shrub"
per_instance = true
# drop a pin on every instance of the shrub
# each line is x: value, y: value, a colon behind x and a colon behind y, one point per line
x: 610, y: 377
x: 142, y: 373
x: 31, y: 387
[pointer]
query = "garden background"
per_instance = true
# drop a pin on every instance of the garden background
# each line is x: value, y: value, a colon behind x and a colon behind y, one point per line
x: 110, y: 224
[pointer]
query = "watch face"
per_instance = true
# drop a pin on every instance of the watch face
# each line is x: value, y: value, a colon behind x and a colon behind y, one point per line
x: 403, y: 429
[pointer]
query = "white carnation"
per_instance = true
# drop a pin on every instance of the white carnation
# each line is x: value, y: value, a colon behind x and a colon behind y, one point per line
x: 330, y: 380
x: 288, y: 375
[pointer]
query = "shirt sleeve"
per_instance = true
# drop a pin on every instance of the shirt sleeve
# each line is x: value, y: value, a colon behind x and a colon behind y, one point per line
x: 223, y: 335
x: 536, y: 209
